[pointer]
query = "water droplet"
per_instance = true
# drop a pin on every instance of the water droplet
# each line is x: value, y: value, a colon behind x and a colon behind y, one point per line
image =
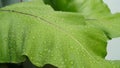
x: 45, y: 49
x: 83, y: 67
x: 71, y: 62
x: 31, y: 58
x: 40, y: 52
x: 93, y: 62
x: 37, y: 63
x: 84, y: 55
x: 33, y: 37
x: 44, y: 42
x: 62, y: 62
x: 65, y: 60
x: 56, y: 46
x: 49, y: 51
x: 55, y: 59
x: 71, y: 47
x: 52, y: 55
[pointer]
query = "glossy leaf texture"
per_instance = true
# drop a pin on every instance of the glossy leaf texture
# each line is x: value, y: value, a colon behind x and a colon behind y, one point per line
x: 62, y: 39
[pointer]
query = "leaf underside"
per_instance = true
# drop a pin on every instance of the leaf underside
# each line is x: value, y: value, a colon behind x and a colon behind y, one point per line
x: 63, y: 39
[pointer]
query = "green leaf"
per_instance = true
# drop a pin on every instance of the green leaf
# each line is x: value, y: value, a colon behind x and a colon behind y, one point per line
x: 95, y: 10
x: 45, y: 36
x: 89, y: 8
x: 101, y: 16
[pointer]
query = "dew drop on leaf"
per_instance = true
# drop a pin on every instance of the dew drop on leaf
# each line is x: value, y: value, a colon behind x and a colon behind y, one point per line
x: 52, y: 55
x: 33, y: 37
x: 49, y: 51
x: 62, y: 62
x: 71, y: 62
x: 83, y: 67
x: 45, y: 49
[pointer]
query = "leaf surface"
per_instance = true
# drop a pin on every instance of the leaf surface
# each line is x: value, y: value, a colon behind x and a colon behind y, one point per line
x: 45, y: 36
x: 95, y: 10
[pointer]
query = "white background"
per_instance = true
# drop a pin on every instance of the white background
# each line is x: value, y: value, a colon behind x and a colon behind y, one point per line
x: 114, y: 44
